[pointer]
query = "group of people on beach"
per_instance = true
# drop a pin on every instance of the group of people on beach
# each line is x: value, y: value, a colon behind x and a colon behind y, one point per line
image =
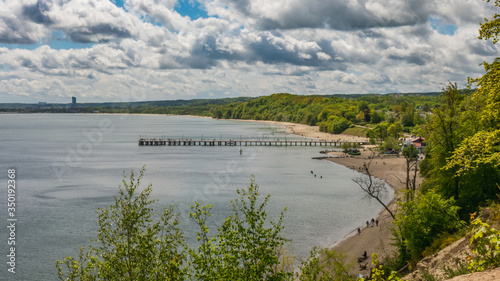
x: 370, y: 223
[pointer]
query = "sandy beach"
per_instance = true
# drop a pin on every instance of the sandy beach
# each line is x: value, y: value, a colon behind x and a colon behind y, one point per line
x: 311, y: 131
x: 377, y: 239
x: 389, y: 168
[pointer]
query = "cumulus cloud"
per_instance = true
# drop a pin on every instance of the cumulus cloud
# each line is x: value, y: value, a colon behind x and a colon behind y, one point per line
x: 338, y: 14
x: 244, y: 47
x: 22, y: 22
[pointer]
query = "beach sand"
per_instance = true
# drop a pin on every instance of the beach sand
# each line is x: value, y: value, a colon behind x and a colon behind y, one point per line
x: 389, y: 168
x: 377, y: 239
x: 311, y: 131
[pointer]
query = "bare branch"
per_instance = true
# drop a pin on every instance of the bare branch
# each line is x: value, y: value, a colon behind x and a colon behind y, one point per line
x: 373, y: 188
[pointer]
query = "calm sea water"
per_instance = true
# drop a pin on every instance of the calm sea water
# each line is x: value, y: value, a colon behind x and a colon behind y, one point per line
x: 68, y: 165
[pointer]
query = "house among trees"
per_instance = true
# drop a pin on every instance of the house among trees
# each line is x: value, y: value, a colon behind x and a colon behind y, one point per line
x: 420, y: 144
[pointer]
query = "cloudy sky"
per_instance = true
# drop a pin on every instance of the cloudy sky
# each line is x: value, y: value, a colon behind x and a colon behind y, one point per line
x: 130, y: 50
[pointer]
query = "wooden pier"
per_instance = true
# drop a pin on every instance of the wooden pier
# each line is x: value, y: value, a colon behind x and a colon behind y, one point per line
x: 230, y: 142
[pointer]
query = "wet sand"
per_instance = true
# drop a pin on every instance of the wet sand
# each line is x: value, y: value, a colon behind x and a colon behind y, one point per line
x: 389, y: 168
x: 377, y: 239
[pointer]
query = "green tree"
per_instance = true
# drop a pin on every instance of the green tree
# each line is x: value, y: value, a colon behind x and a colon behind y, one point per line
x: 364, y: 111
x: 379, y: 133
x: 474, y: 163
x: 395, y: 130
x: 349, y: 115
x: 489, y: 89
x: 378, y: 272
x: 490, y: 29
x: 486, y: 246
x: 421, y: 220
x: 443, y: 135
x: 376, y: 117
x: 408, y: 115
x: 326, y: 264
x: 338, y: 124
x: 488, y: 83
x: 372, y: 135
x: 131, y: 245
x: 481, y: 149
x: 246, y: 245
x: 390, y: 143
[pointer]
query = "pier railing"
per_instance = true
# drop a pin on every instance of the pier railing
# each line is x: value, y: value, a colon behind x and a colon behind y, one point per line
x: 240, y: 142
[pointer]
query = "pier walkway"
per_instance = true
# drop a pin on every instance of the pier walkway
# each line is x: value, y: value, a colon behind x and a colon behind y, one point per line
x: 231, y: 142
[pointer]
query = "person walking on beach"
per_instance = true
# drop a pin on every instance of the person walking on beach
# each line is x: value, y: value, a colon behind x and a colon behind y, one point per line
x: 359, y: 231
x: 376, y: 222
x: 367, y: 223
x: 372, y: 222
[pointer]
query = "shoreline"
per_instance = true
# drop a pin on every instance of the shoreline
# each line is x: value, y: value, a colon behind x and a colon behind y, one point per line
x: 293, y: 128
x: 389, y: 169
x: 377, y: 239
x: 307, y: 131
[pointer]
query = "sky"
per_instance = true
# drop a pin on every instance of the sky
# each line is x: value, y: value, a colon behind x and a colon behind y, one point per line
x: 136, y: 50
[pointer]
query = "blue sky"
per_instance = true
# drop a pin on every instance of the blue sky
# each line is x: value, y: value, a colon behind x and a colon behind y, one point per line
x: 440, y: 26
x: 192, y: 9
x: 130, y: 50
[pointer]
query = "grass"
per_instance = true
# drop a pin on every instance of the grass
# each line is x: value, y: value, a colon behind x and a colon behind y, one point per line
x: 427, y: 276
x: 461, y: 270
x: 355, y: 131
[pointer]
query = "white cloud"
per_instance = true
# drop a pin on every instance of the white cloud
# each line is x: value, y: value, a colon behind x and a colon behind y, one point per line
x: 248, y: 47
x: 323, y: 56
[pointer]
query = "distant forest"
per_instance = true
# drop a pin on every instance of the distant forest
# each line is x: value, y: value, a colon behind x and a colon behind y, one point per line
x: 333, y: 113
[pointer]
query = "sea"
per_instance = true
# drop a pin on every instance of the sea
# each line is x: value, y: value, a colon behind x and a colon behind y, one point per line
x: 67, y: 166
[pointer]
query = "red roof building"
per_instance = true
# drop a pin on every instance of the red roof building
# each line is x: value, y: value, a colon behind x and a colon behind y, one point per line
x: 419, y: 142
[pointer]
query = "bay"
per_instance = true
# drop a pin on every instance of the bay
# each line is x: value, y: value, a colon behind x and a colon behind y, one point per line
x: 69, y: 165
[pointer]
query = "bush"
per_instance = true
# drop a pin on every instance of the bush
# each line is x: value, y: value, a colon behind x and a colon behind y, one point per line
x: 334, y: 125
x: 421, y: 220
x: 132, y: 246
x: 486, y: 246
x: 325, y: 265
x: 246, y: 245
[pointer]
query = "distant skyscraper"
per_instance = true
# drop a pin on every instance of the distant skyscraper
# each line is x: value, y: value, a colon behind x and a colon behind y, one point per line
x: 73, y: 101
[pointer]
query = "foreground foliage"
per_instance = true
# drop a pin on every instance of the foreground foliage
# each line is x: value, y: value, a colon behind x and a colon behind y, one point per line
x: 379, y: 273
x: 421, y: 220
x: 325, y: 265
x: 131, y: 245
x: 245, y: 247
x: 486, y: 246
